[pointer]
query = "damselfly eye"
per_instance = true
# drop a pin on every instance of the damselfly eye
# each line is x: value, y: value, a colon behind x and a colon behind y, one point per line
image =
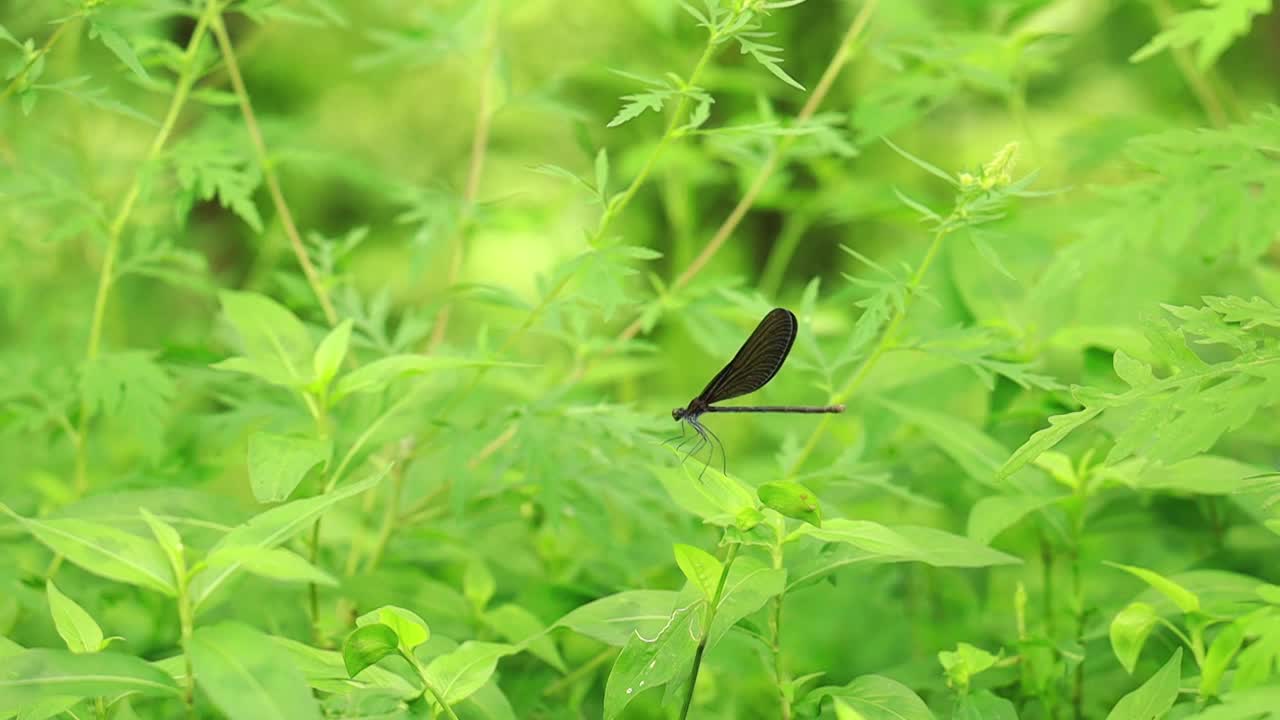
x: 677, y: 413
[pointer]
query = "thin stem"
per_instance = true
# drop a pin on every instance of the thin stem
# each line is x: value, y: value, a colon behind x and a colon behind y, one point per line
x: 186, y: 80
x: 269, y: 170
x: 31, y: 61
x: 1196, y: 80
x: 479, y: 145
x: 427, y: 686
x: 838, y: 61
x: 390, y: 515
x: 726, y: 229
x: 585, y: 669
x: 775, y: 638
x: 706, y: 631
x: 883, y: 345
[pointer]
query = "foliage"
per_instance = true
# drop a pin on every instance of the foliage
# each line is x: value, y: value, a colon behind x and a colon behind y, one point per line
x: 340, y: 338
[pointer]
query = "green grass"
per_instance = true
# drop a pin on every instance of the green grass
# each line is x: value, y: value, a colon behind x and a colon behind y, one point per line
x: 341, y: 341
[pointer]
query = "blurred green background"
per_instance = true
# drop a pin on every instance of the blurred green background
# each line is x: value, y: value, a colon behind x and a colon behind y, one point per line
x: 370, y: 111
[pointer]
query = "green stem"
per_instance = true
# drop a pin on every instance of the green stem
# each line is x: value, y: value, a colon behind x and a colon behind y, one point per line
x: 186, y: 80
x: 269, y: 170
x: 775, y: 638
x: 1199, y: 83
x: 585, y: 669
x: 390, y: 515
x: 35, y: 57
x: 427, y: 686
x: 883, y: 345
x: 706, y: 631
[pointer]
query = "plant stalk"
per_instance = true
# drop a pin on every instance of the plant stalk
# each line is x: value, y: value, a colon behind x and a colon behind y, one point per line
x: 269, y: 170
x: 706, y: 632
x: 186, y: 79
x: 883, y: 345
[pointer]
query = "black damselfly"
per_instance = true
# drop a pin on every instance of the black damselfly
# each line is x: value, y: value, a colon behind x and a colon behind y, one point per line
x: 757, y: 361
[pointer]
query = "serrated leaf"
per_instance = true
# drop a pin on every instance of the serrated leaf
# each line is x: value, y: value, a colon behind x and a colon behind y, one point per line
x: 1060, y: 426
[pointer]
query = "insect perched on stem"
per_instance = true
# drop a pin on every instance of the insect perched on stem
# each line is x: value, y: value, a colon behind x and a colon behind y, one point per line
x: 757, y: 361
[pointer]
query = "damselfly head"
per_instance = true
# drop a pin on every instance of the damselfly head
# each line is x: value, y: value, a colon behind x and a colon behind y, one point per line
x: 677, y: 414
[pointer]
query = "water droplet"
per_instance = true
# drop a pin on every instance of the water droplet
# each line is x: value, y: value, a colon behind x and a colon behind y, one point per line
x: 653, y: 664
x: 641, y: 684
x: 628, y: 691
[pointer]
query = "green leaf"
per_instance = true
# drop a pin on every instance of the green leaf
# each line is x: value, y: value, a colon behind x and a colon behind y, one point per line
x: 614, y: 619
x: 750, y: 585
x: 103, y: 550
x: 1129, y: 630
x: 1212, y: 28
x: 326, y: 671
x: 130, y: 390
x: 410, y: 629
x: 277, y: 463
x: 270, y: 529
x: 462, y: 672
x: 247, y: 676
x: 993, y: 515
x: 700, y: 567
x: 217, y: 162
x: 329, y: 355
x: 872, y: 697
x: 478, y: 584
x: 277, y: 347
x: 1186, y: 600
x: 907, y: 543
x: 649, y: 662
x: 717, y: 498
x: 168, y: 539
x: 523, y: 628
x: 927, y: 167
x: 76, y: 626
x: 31, y: 676
x: 378, y: 374
x: 964, y: 663
x: 637, y: 103
x: 1155, y: 697
x: 273, y: 563
x: 366, y: 646
x: 1223, y: 648
x: 984, y: 705
x: 602, y: 173
x: 1060, y: 426
x: 977, y: 453
x: 120, y: 47
x: 792, y: 500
